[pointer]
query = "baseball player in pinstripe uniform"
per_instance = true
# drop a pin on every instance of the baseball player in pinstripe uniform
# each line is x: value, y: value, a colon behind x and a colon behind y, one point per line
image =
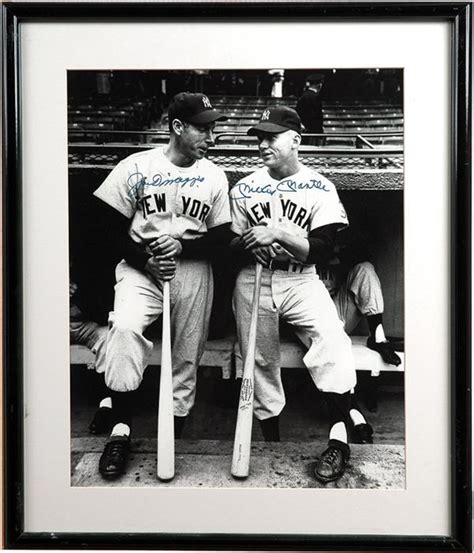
x: 172, y: 209
x: 287, y: 216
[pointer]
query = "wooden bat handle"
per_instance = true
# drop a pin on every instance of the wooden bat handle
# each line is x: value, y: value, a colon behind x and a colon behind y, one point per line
x: 165, y: 437
x: 243, y: 428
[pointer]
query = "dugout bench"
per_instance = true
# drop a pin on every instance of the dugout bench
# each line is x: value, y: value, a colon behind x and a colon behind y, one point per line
x: 225, y: 354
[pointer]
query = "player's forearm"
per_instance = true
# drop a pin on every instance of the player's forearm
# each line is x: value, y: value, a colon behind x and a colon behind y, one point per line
x: 240, y: 255
x: 117, y: 237
x: 317, y: 248
x: 298, y: 246
x: 321, y: 243
x: 134, y: 254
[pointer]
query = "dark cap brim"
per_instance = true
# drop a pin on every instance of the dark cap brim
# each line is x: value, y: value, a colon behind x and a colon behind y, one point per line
x: 208, y: 116
x: 267, y: 127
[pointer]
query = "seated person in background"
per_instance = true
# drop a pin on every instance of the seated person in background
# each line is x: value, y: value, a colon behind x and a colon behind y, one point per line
x: 85, y: 332
x: 356, y: 290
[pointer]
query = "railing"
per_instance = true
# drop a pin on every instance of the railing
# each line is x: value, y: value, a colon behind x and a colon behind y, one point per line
x: 235, y: 149
x: 234, y: 157
x: 219, y: 137
x: 108, y: 132
x: 362, y: 155
x: 363, y: 166
x: 222, y: 136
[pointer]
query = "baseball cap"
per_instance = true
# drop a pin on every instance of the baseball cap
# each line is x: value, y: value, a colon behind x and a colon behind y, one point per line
x: 193, y: 108
x: 277, y: 119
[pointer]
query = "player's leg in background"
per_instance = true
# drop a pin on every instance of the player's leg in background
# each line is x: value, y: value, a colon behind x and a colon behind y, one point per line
x: 364, y: 285
x: 88, y: 333
x: 103, y: 418
x: 361, y: 431
x: 191, y: 303
x: 269, y: 398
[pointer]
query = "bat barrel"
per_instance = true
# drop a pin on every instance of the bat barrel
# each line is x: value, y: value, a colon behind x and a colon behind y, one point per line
x: 165, y: 435
x: 243, y: 430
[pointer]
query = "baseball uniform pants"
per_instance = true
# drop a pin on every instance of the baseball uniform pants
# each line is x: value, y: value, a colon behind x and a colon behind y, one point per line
x: 360, y: 295
x: 302, y: 300
x: 88, y: 333
x: 138, y: 303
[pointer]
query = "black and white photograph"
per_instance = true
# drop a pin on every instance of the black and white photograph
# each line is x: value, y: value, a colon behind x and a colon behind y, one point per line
x: 236, y: 278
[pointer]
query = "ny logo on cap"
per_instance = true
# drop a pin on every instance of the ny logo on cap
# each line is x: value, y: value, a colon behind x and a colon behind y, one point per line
x: 206, y: 102
x: 266, y: 115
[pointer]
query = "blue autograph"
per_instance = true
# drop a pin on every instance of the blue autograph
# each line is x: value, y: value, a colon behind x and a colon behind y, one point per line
x: 244, y: 191
x: 137, y: 182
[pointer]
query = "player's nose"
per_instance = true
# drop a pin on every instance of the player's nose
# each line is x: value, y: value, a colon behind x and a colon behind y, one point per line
x: 210, y: 137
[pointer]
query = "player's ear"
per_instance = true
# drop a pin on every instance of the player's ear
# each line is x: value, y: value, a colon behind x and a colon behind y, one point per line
x: 296, y: 139
x: 177, y: 126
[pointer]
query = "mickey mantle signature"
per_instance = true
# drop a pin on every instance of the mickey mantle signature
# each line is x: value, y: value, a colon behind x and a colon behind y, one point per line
x: 244, y: 191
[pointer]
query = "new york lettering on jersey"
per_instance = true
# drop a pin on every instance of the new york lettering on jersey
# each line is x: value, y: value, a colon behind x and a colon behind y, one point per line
x: 257, y: 212
x: 191, y: 203
x: 157, y: 192
x: 292, y: 202
x: 154, y: 204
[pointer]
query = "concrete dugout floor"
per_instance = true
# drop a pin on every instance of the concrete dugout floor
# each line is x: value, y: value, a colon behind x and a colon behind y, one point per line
x: 203, y: 455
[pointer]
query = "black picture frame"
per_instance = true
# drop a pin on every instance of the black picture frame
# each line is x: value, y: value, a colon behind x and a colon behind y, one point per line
x: 459, y: 16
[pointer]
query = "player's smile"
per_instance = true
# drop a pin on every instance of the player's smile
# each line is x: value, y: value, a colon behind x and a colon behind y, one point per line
x: 275, y: 148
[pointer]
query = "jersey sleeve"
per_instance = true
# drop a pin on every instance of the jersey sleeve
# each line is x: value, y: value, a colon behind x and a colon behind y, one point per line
x: 237, y: 211
x: 220, y: 211
x: 116, y: 192
x: 328, y: 208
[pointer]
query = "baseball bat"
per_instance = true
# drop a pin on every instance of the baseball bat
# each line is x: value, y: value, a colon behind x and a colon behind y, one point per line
x: 165, y: 437
x: 243, y: 428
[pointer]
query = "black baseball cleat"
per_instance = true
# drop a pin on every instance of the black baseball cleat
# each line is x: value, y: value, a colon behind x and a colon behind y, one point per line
x: 332, y: 464
x: 362, y: 434
x: 114, y: 459
x: 386, y: 351
x: 102, y: 422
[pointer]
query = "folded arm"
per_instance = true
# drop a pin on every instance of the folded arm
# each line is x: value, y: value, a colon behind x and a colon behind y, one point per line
x: 318, y: 245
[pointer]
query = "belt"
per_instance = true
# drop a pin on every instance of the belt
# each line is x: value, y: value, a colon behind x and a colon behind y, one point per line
x: 276, y: 265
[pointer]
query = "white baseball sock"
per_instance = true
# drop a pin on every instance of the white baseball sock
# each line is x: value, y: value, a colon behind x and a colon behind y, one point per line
x: 338, y: 432
x: 120, y: 429
x: 357, y: 417
x: 380, y: 334
x: 106, y: 402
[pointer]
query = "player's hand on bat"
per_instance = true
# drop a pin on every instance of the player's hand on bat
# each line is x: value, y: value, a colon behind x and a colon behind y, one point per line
x: 161, y: 269
x: 259, y: 236
x: 263, y: 254
x: 165, y: 247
